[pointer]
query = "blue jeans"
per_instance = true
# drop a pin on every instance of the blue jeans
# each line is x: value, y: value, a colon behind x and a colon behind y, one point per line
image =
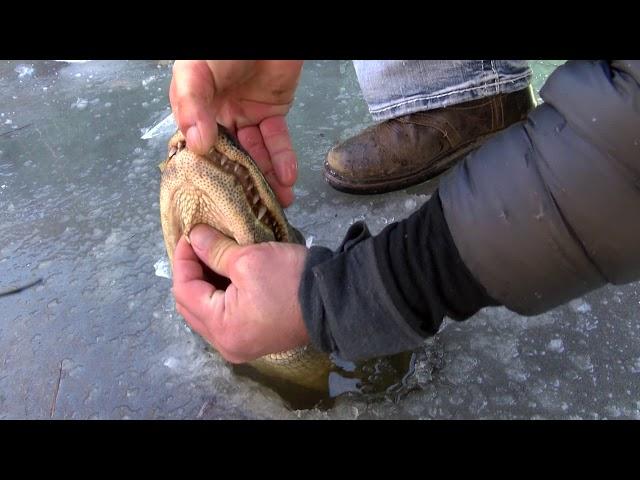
x: 393, y: 88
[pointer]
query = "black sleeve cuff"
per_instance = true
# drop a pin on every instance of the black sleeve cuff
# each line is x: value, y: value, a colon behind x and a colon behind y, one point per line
x: 381, y: 295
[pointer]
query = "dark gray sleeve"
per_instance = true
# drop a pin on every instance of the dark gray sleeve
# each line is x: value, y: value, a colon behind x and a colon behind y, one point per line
x: 384, y: 294
x: 345, y: 306
x: 550, y: 209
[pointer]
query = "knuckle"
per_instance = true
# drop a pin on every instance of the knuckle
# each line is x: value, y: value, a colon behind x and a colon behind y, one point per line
x: 248, y: 261
x: 219, y: 253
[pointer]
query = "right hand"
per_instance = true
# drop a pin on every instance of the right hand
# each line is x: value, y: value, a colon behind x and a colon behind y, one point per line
x: 250, y: 318
x: 251, y: 99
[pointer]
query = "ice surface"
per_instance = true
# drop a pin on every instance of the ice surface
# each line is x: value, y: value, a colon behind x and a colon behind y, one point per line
x: 79, y: 209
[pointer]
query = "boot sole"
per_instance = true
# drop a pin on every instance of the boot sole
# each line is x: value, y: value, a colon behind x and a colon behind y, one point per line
x: 390, y: 185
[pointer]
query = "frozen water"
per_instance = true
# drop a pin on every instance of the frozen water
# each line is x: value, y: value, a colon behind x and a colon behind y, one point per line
x: 309, y: 241
x: 164, y: 128
x: 162, y: 268
x: 24, y: 71
x: 79, y: 209
x: 80, y: 103
x: 556, y: 345
x: 580, y: 306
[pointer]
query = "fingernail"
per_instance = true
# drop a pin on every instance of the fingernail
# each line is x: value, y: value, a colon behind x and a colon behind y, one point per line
x: 202, y: 236
x: 194, y: 140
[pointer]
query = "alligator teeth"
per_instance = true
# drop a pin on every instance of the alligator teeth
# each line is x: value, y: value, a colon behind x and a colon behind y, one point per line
x: 261, y: 212
x: 256, y: 199
x: 223, y: 161
x: 173, y: 151
x: 236, y: 169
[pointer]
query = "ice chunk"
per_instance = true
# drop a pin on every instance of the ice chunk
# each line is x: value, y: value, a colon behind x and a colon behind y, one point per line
x: 635, y: 366
x: 410, y: 204
x: 171, y: 363
x: 164, y: 127
x: 162, y: 268
x: 24, y: 71
x: 579, y: 306
x: 80, y: 103
x: 556, y: 345
x: 148, y: 80
x: 309, y: 241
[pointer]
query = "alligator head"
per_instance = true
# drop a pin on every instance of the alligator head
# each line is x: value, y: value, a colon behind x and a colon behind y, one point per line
x: 224, y: 189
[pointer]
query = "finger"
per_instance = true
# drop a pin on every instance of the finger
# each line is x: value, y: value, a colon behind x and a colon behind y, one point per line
x: 192, y: 95
x: 206, y: 310
x: 278, y: 142
x: 194, y: 322
x: 251, y: 140
x: 186, y: 264
x: 210, y: 328
x: 284, y: 195
x: 214, y: 249
x: 190, y: 289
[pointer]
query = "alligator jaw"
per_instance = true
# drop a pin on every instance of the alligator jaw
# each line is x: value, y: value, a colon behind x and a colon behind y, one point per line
x: 223, y: 189
x: 254, y: 202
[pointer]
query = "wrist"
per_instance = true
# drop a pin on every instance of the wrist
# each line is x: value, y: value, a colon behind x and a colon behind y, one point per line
x: 382, y: 295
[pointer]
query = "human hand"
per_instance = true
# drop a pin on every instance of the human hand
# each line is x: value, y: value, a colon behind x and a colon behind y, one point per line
x: 259, y: 312
x: 251, y: 99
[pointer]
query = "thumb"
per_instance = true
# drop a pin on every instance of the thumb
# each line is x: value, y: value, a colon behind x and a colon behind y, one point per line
x: 215, y: 249
x: 191, y: 94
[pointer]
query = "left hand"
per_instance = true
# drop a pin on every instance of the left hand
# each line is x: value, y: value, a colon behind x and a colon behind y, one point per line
x: 259, y: 312
x: 250, y: 98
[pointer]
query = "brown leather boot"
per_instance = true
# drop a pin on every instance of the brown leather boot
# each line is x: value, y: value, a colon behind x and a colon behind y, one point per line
x: 411, y: 149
